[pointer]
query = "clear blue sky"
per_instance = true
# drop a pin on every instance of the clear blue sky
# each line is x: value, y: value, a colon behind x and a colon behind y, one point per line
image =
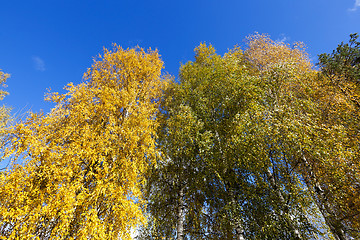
x: 47, y: 44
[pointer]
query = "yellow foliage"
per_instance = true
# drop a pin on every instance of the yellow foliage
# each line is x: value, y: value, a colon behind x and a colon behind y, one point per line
x: 340, y: 171
x: 3, y: 78
x: 83, y: 163
x: 265, y: 53
x: 4, y: 111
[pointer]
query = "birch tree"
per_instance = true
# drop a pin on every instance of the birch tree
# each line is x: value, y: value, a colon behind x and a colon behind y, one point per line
x: 84, y: 162
x: 238, y: 177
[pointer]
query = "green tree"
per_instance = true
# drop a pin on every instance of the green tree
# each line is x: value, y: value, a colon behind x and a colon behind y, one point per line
x: 342, y: 67
x: 225, y: 138
x: 285, y: 128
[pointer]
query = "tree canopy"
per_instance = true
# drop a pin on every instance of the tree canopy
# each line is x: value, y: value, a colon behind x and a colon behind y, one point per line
x: 256, y: 143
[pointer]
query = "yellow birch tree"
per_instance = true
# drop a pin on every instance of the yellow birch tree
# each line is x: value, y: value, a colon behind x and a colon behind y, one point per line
x: 84, y: 162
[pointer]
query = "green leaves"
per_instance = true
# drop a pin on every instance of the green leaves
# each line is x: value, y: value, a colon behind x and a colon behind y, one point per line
x: 226, y: 142
x: 344, y: 61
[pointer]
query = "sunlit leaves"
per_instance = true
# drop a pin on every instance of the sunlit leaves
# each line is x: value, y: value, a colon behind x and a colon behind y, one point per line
x: 236, y: 167
x: 85, y: 160
x: 4, y: 110
x: 253, y: 144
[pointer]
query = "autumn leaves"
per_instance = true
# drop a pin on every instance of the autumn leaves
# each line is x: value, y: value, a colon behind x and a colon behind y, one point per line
x: 85, y: 160
x: 241, y: 147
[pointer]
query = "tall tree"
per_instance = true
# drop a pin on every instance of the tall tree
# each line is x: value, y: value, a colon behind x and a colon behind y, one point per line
x: 84, y: 162
x: 287, y: 108
x: 223, y: 135
x: 338, y: 99
x: 318, y: 120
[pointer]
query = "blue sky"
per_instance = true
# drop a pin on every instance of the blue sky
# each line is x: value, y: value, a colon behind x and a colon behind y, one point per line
x: 47, y: 44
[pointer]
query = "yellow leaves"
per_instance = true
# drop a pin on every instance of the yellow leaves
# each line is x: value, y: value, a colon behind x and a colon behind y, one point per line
x: 4, y: 111
x: 278, y: 58
x: 87, y: 157
x: 3, y: 78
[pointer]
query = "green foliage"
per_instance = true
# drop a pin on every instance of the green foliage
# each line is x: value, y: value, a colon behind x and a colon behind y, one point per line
x: 231, y: 137
x: 344, y: 61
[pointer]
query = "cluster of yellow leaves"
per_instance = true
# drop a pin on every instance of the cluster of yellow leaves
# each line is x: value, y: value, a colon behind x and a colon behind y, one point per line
x: 84, y: 161
x: 4, y: 111
x: 3, y: 78
x: 265, y: 53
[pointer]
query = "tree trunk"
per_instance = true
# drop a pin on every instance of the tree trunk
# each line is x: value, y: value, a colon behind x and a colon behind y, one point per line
x: 180, y: 216
x: 239, y: 231
x: 283, y: 203
x: 311, y: 181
